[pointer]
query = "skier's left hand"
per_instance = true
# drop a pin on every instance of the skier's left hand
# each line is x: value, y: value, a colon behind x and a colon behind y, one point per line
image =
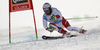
x: 53, y: 18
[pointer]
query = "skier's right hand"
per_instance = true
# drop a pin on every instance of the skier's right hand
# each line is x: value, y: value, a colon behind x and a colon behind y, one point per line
x: 51, y: 29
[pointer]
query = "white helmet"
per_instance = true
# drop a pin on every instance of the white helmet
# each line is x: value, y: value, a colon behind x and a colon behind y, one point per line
x: 46, y: 5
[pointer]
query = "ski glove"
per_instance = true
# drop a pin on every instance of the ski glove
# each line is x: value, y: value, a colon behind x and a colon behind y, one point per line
x: 51, y: 29
x: 53, y: 18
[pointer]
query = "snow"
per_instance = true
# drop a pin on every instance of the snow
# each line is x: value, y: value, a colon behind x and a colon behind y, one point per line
x: 23, y: 38
x: 26, y: 40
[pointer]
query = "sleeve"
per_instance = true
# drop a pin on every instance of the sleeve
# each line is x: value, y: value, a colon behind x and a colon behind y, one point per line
x: 45, y: 22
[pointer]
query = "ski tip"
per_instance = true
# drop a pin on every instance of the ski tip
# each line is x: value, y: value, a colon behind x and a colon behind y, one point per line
x: 44, y: 37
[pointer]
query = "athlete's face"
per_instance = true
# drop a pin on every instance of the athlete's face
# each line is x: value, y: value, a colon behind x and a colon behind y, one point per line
x: 47, y: 11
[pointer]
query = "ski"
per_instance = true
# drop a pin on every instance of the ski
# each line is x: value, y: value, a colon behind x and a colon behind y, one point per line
x: 51, y: 37
x: 56, y: 37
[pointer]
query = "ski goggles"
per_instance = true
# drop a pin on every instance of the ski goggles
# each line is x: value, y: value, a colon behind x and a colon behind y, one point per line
x: 45, y: 9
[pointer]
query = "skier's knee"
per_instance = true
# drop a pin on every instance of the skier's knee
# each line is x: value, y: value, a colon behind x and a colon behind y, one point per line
x: 62, y: 30
x: 59, y: 30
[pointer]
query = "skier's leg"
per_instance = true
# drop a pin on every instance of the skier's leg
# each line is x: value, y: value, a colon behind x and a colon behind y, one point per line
x: 80, y: 30
x: 68, y: 26
x: 73, y: 29
x: 59, y: 29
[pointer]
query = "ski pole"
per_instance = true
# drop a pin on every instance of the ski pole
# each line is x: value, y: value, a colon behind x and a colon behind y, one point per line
x: 80, y: 18
x: 50, y: 33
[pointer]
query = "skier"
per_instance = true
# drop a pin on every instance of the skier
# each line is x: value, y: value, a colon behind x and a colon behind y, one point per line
x: 57, y: 21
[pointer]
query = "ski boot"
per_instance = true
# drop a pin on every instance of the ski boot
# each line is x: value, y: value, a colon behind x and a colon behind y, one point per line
x: 83, y: 31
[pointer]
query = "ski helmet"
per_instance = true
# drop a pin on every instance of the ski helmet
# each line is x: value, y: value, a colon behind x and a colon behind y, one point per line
x: 46, y: 5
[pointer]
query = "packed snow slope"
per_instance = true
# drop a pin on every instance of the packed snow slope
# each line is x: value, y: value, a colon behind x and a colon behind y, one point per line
x: 23, y: 35
x: 27, y: 41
